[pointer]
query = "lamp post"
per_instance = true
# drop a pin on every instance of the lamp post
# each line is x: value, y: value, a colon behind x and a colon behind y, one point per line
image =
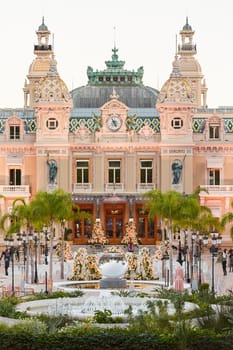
x: 45, y: 233
x: 179, y: 258
x: 24, y: 238
x: 198, y: 240
x: 36, y: 240
x: 216, y: 241
x: 62, y: 248
x: 193, y: 238
x: 186, y: 256
x: 51, y: 234
x: 10, y: 243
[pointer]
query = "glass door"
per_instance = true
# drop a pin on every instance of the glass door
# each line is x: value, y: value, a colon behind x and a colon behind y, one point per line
x: 114, y: 224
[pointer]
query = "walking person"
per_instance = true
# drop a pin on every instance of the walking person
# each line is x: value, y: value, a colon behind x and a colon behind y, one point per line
x: 6, y: 255
x: 231, y: 261
x: 224, y: 262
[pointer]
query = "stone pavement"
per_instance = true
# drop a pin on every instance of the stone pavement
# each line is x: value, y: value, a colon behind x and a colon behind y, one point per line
x: 222, y: 284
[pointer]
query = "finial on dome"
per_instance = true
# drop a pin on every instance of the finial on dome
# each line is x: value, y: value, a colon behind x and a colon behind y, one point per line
x: 187, y: 25
x: 175, y: 68
x: 114, y: 94
x: 43, y: 27
x: 53, y: 67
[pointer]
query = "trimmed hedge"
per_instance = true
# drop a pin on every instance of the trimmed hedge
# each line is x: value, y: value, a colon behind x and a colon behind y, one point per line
x: 85, y: 338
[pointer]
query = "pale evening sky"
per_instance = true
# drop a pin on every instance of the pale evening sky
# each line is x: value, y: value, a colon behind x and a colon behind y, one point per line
x: 145, y: 36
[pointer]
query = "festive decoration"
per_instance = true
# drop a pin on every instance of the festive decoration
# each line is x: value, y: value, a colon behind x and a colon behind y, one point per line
x: 115, y: 249
x: 130, y: 237
x: 140, y: 266
x: 85, y: 267
x: 67, y: 250
x: 158, y: 254
x: 98, y: 235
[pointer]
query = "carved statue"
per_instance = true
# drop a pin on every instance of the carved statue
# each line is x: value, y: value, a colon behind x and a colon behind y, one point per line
x: 52, y: 164
x: 177, y: 172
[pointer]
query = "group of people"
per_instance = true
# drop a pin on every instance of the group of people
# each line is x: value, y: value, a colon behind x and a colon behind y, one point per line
x: 227, y: 260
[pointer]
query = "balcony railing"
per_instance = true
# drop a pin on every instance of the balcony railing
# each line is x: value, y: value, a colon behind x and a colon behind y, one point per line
x: 82, y: 187
x: 114, y: 187
x: 14, y: 190
x: 217, y: 188
x: 143, y: 187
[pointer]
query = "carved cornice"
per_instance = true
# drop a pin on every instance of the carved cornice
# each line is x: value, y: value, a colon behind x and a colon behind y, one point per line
x: 213, y: 148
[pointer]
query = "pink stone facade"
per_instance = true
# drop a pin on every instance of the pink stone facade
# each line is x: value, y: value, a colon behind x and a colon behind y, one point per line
x: 108, y: 156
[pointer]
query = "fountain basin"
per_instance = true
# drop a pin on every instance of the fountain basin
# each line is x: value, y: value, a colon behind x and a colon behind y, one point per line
x: 94, y: 299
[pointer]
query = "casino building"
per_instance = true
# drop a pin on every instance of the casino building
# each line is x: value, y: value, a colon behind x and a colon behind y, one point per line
x: 110, y: 141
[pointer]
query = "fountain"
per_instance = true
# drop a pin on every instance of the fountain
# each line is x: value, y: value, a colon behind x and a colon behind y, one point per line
x: 113, y: 266
x: 99, y: 278
x: 85, y: 307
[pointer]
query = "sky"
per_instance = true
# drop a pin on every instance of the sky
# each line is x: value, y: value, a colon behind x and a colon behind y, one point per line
x: 145, y: 34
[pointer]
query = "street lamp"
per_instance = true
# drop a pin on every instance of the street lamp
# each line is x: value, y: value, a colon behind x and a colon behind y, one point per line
x: 198, y: 240
x: 216, y: 241
x: 36, y: 240
x: 186, y: 259
x: 45, y: 233
x: 180, y: 251
x: 10, y: 243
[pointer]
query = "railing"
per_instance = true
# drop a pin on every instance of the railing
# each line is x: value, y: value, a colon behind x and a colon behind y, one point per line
x: 217, y: 188
x: 82, y: 187
x: 143, y: 187
x: 6, y: 189
x: 114, y: 187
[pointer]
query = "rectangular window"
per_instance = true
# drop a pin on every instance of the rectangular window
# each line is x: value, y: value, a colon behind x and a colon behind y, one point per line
x: 15, y: 177
x: 214, y: 176
x: 146, y: 171
x: 114, y: 171
x: 214, y: 131
x: 82, y: 167
x: 14, y: 132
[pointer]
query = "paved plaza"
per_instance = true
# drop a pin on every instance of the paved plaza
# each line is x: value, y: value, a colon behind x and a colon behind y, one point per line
x: 222, y: 284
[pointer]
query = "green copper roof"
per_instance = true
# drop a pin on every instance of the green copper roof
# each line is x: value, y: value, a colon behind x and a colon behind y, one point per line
x: 115, y: 74
x: 187, y: 25
x: 42, y: 27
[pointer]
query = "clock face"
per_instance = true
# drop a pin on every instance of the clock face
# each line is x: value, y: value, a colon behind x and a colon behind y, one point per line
x: 114, y: 122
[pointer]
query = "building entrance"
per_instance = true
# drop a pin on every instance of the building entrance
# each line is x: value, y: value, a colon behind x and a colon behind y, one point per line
x: 114, y: 222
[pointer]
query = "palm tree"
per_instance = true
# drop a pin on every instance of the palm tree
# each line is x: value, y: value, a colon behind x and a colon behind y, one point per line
x: 23, y: 212
x: 50, y: 209
x: 169, y: 207
x: 228, y: 219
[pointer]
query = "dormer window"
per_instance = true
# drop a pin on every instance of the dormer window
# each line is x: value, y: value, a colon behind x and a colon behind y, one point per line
x: 14, y: 132
x: 214, y: 131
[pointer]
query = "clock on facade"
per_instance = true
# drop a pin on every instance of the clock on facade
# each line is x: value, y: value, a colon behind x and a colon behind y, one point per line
x: 114, y: 122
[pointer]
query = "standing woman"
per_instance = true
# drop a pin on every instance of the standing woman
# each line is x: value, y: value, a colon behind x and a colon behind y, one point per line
x: 224, y: 262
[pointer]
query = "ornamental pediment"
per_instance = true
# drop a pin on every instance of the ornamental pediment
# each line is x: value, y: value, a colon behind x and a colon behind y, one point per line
x: 114, y: 104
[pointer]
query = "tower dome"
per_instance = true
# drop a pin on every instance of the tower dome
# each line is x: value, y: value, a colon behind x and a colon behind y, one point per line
x: 43, y: 27
x: 52, y: 88
x: 187, y: 25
